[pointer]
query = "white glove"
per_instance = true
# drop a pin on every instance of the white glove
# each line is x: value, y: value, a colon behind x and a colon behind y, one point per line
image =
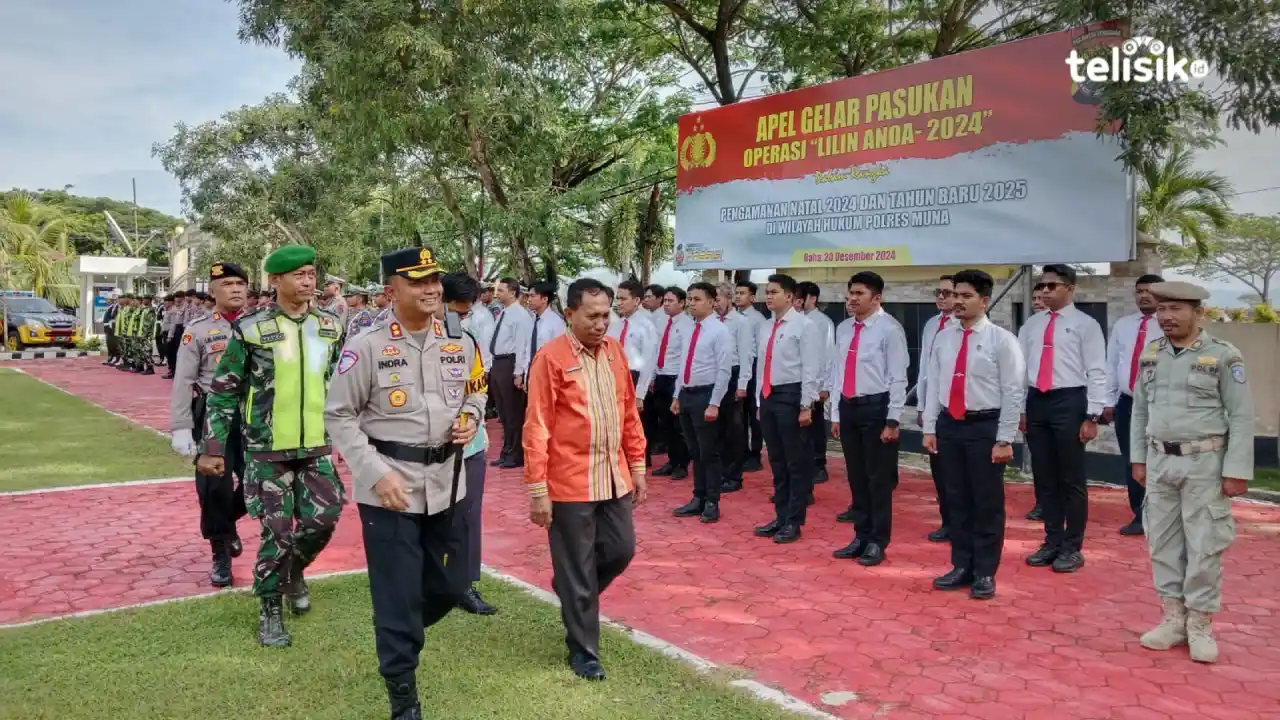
x: 183, y: 444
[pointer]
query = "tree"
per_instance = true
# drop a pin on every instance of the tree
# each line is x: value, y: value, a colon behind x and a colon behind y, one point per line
x: 87, y: 225
x: 1247, y: 250
x: 35, y: 249
x: 1175, y: 197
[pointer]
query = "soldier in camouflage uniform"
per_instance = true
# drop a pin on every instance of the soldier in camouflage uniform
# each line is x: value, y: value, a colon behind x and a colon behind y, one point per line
x: 145, y: 331
x: 277, y: 366
x: 1191, y: 445
x: 127, y: 323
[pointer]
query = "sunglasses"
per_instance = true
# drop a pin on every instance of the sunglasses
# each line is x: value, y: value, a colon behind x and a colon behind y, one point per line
x: 943, y: 293
x: 1050, y: 285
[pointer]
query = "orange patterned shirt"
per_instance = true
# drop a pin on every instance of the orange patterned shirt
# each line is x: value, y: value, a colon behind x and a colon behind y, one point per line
x: 582, y: 432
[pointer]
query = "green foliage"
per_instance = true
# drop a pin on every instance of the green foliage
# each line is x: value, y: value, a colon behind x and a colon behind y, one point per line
x: 86, y: 224
x: 91, y: 344
x: 1264, y: 314
x: 1246, y: 250
x: 1175, y: 197
x: 1213, y: 314
x: 35, y: 249
x: 1237, y: 315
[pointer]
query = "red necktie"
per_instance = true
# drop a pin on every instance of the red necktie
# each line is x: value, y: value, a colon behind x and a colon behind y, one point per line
x: 1044, y: 376
x: 767, y: 387
x: 693, y: 345
x: 662, y: 350
x: 622, y: 339
x: 956, y: 404
x: 942, y: 322
x: 1137, y: 351
x: 851, y: 363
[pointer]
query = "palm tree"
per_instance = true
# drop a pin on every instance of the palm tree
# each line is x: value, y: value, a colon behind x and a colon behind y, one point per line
x: 35, y: 249
x: 1175, y: 197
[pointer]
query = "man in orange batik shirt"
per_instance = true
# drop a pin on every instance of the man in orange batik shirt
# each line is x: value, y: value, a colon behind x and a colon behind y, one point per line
x: 580, y: 386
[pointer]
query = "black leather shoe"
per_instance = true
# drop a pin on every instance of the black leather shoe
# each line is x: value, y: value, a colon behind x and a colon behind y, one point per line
x: 984, y: 588
x: 167, y: 376
x: 1036, y: 514
x: 752, y: 465
x: 664, y: 471
x: 769, y: 529
x: 1068, y: 562
x: 953, y: 580
x: 872, y: 556
x: 271, y: 632
x: 472, y: 602
x: 403, y: 694
x: 845, y: 517
x: 710, y: 512
x: 820, y: 477
x: 1043, y: 557
x: 730, y: 486
x: 689, y: 509
x: 851, y: 551
x: 679, y: 473
x: 788, y: 533
x: 512, y: 464
x: 220, y: 573
x: 498, y: 462
x: 942, y: 534
x: 236, y: 548
x: 771, y: 498
x: 587, y: 668
x: 1133, y: 528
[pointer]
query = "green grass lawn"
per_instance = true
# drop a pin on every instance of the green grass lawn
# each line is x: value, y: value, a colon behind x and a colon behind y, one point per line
x: 1265, y: 478
x: 200, y: 659
x: 49, y: 438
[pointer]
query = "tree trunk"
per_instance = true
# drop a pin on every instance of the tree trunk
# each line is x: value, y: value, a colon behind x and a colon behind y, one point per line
x: 469, y: 260
x: 520, y: 256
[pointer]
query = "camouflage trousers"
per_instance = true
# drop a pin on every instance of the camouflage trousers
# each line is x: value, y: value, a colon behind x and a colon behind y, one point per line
x: 298, y: 503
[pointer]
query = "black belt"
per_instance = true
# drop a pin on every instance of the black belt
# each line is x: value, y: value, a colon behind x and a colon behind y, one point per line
x: 785, y: 387
x: 877, y: 399
x: 697, y: 388
x: 972, y: 415
x: 504, y: 356
x: 1059, y: 391
x: 415, y: 453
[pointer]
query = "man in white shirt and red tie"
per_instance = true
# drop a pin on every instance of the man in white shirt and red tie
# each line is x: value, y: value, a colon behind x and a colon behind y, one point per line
x: 702, y: 390
x: 971, y: 413
x: 942, y: 297
x: 868, y: 377
x: 789, y: 370
x: 807, y: 296
x: 1130, y: 335
x: 633, y: 329
x: 1066, y: 359
x: 743, y: 332
x: 672, y: 335
x: 744, y: 299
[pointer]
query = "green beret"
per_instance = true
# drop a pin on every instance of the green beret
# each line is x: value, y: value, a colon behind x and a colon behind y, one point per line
x: 290, y: 258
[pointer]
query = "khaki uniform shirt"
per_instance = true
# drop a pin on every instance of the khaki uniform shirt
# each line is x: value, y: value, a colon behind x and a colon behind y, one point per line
x: 390, y: 386
x: 202, y: 344
x: 1196, y: 394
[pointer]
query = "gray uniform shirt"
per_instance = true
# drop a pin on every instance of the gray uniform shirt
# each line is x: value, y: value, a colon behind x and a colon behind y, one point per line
x: 1199, y: 393
x: 390, y: 386
x: 203, y: 342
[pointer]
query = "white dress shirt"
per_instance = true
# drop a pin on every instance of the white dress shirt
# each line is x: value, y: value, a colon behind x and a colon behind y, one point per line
x: 827, y: 327
x: 549, y: 326
x: 995, y: 375
x: 1079, y: 352
x: 480, y: 323
x: 793, y: 359
x: 1122, y: 353
x: 930, y: 331
x: 710, y: 362
x: 641, y: 346
x: 680, y: 324
x: 881, y: 359
x: 743, y: 330
x: 513, y: 323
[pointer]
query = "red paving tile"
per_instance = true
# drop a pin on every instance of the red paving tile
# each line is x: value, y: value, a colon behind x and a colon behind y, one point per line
x: 1048, y: 646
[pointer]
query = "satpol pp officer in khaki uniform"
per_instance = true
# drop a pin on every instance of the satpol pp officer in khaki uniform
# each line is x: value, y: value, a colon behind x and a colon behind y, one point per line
x: 1192, y: 447
x: 404, y: 402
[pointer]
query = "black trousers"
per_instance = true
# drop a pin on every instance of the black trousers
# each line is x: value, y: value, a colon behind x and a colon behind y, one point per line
x: 1057, y: 463
x: 472, y: 510
x: 818, y: 434
x: 666, y: 428
x: 411, y: 579
x: 872, y: 465
x: 511, y: 407
x: 704, y: 440
x: 940, y: 489
x: 975, y: 492
x: 171, y: 347
x: 1124, y: 418
x: 592, y: 543
x: 790, y: 453
x: 221, y: 497
x: 733, y: 437
x: 753, y: 439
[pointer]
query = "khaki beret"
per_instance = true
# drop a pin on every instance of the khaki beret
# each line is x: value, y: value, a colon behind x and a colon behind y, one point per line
x: 1177, y: 290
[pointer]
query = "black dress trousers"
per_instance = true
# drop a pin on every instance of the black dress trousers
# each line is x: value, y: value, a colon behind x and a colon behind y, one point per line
x: 1057, y: 463
x: 872, y: 465
x: 790, y: 453
x: 975, y: 490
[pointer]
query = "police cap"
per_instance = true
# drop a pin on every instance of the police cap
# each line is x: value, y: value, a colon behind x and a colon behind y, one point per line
x: 1178, y: 290
x: 353, y: 289
x: 223, y: 270
x: 413, y: 263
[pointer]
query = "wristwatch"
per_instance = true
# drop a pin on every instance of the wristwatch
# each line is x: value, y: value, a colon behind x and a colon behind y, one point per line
x: 1003, y: 443
x: 1091, y: 418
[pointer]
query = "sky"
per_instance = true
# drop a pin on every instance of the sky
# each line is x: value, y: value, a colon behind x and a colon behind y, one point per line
x: 88, y: 86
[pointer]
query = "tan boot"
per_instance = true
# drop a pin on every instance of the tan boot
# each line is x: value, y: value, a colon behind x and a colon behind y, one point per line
x: 1204, y: 648
x: 1172, y: 630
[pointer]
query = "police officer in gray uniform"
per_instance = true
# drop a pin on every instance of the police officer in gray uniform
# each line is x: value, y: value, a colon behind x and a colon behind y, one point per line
x: 1192, y: 447
x: 405, y: 400
x: 199, y: 349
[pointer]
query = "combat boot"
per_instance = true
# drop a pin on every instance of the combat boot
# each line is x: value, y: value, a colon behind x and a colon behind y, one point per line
x: 1172, y: 630
x: 1204, y: 649
x: 271, y: 632
x: 297, y: 595
x: 220, y: 575
x: 403, y: 694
